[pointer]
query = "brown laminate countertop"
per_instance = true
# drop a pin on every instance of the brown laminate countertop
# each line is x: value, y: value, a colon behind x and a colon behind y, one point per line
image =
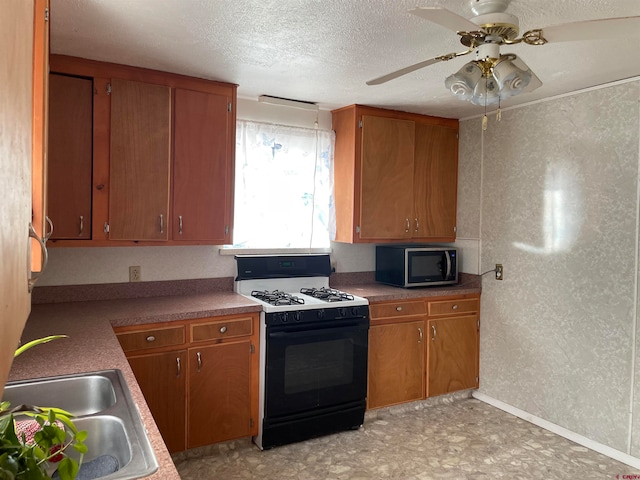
x: 92, y: 344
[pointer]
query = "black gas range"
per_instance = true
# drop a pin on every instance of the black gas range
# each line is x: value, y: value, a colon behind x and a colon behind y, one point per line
x: 313, y: 348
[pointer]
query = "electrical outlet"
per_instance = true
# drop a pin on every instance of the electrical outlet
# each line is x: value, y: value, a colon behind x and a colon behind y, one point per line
x: 499, y: 271
x: 135, y: 274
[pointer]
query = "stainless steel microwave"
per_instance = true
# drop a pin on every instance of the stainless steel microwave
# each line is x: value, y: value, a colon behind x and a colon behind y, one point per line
x: 416, y: 265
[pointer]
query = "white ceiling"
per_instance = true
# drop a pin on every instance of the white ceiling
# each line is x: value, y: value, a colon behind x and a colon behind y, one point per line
x: 325, y: 50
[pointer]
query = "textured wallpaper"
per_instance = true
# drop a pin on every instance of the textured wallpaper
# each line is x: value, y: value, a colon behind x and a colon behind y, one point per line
x: 559, y: 210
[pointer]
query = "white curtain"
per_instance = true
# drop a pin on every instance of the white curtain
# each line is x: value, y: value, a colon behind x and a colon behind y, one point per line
x: 283, y: 186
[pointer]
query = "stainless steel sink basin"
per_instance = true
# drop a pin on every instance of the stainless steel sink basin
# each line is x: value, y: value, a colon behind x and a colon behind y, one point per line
x: 103, y: 406
x: 80, y: 395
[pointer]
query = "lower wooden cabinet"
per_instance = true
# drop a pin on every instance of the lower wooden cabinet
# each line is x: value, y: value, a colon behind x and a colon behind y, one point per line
x: 422, y: 347
x: 453, y: 355
x: 219, y: 406
x: 162, y: 379
x: 396, y: 363
x: 199, y: 377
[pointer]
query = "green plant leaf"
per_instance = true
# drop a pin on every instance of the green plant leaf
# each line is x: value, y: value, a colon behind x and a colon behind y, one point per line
x: 68, y: 469
x: 80, y: 447
x: 81, y: 436
x: 37, y: 341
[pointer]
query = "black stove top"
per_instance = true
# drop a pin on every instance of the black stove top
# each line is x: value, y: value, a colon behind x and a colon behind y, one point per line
x: 276, y: 297
x: 327, y: 294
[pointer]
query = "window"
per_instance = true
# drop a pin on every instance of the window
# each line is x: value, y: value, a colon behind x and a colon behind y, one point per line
x: 283, y: 186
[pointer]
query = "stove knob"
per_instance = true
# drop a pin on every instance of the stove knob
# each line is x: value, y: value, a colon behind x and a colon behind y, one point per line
x: 321, y: 314
x: 284, y: 317
x: 297, y: 316
x: 343, y: 312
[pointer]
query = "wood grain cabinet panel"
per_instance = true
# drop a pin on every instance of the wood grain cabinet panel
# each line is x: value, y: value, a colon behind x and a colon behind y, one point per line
x: 153, y: 338
x: 202, y: 167
x: 219, y: 406
x: 162, y: 379
x: 387, y: 178
x: 219, y: 329
x: 453, y: 354
x: 396, y: 363
x: 396, y: 176
x: 453, y: 307
x: 139, y: 161
x: 69, y: 172
x: 201, y: 389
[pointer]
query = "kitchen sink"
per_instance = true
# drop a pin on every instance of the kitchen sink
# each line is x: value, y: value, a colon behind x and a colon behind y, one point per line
x: 79, y: 395
x: 102, y: 405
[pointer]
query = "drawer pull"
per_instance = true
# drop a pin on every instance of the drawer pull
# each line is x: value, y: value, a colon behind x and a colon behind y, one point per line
x: 151, y: 338
x: 399, y: 309
x: 433, y: 329
x: 179, y: 367
x: 199, y: 358
x: 223, y: 329
x: 454, y: 306
x: 421, y: 335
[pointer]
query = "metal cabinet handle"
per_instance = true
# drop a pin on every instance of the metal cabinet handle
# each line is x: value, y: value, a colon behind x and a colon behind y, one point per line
x: 81, y: 225
x: 407, y: 225
x: 47, y: 236
x: 34, y: 276
x: 223, y: 329
x: 398, y: 309
x: 179, y: 367
x: 161, y: 223
x: 417, y: 224
x: 180, y: 224
x: 433, y: 329
x: 199, y: 357
x: 151, y: 338
x: 421, y: 335
x: 454, y: 306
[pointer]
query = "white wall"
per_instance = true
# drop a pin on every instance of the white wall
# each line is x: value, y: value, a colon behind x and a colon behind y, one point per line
x: 80, y: 266
x: 551, y: 192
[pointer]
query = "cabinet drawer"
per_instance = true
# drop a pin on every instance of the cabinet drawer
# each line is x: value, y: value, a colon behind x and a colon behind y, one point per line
x: 219, y: 329
x: 454, y: 307
x: 397, y: 309
x: 158, y: 337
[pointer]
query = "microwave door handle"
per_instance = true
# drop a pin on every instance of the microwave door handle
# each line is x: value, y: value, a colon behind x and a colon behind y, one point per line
x: 448, y: 275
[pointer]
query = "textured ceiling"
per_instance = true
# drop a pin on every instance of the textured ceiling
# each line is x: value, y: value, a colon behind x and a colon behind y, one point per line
x: 325, y: 50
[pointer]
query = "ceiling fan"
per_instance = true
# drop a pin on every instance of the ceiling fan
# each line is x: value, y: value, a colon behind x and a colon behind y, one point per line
x: 495, y: 76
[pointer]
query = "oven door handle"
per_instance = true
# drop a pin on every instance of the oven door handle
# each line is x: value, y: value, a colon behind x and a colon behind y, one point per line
x: 314, y: 331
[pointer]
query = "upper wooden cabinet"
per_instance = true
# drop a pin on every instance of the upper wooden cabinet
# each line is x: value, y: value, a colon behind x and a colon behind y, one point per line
x: 70, y: 156
x: 395, y: 176
x: 140, y: 159
x: 202, y: 167
x: 163, y: 150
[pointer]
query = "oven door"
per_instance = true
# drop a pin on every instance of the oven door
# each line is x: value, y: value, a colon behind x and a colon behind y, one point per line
x: 315, y: 366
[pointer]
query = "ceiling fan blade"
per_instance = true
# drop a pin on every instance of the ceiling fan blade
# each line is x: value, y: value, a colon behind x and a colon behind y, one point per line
x: 593, y: 29
x: 445, y: 18
x: 404, y: 71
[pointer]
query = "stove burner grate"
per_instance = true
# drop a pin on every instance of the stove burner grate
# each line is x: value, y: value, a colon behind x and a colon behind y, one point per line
x: 276, y: 297
x: 327, y: 294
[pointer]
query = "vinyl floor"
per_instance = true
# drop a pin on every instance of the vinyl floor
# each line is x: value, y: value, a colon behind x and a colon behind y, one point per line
x: 461, y: 439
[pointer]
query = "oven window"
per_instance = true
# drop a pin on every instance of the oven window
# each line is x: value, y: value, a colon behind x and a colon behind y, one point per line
x: 313, y: 366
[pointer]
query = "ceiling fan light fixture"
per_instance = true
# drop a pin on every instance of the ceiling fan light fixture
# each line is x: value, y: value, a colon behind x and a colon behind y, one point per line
x: 485, y: 92
x: 463, y: 82
x: 511, y: 79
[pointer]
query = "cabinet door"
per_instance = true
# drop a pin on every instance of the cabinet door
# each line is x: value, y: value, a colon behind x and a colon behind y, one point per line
x: 396, y: 363
x: 219, y: 405
x: 139, y: 161
x: 202, y: 169
x: 453, y: 354
x: 435, y: 181
x: 70, y: 156
x: 386, y: 203
x: 162, y: 379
